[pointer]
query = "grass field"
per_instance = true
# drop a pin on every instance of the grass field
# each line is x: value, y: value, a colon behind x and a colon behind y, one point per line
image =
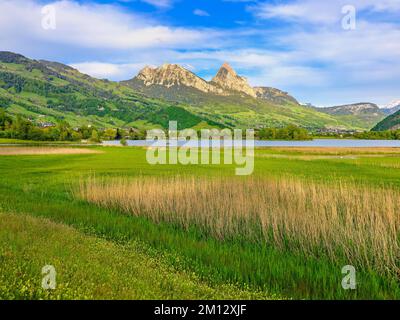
x: 109, y: 270
x: 285, y: 232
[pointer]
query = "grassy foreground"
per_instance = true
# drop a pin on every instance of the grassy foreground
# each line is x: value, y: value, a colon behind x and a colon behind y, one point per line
x: 41, y: 186
x: 89, y: 268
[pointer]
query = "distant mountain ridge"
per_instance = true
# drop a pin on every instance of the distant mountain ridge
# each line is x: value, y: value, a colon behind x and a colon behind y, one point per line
x: 354, y: 109
x: 47, y: 92
x: 225, y: 83
x: 368, y: 113
x: 392, y: 107
x: 230, y: 98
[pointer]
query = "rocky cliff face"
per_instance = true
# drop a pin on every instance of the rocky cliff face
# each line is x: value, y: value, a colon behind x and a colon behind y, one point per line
x: 354, y: 109
x: 274, y: 95
x: 227, y: 79
x: 225, y: 83
x: 365, y: 113
x: 169, y: 75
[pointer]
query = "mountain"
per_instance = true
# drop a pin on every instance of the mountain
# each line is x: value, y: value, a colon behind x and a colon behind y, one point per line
x: 358, y: 113
x: 47, y: 92
x: 392, y: 107
x: 228, y: 80
x: 274, y: 95
x: 353, y: 109
x: 225, y: 83
x: 170, y: 75
x: 229, y: 99
x: 392, y: 122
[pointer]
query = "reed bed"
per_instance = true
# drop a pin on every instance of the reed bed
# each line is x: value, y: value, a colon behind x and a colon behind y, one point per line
x: 8, y: 151
x: 357, y: 225
x: 367, y: 151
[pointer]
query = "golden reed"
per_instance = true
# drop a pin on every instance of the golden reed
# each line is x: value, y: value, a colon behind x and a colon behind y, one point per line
x: 8, y: 151
x: 344, y: 221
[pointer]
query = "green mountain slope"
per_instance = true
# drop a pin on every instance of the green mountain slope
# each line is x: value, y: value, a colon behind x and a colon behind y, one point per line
x: 392, y: 122
x: 238, y: 110
x: 46, y: 92
x: 363, y: 114
x: 245, y: 107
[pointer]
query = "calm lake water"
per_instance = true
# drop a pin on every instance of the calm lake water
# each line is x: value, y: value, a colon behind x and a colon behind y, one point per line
x: 325, y: 143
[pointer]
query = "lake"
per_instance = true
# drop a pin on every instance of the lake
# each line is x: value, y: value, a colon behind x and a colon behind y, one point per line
x: 324, y: 143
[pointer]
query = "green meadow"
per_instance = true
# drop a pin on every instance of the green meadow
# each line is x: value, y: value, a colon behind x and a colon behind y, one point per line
x: 104, y: 251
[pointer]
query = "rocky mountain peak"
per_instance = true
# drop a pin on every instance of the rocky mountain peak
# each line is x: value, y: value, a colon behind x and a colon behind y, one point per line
x: 228, y: 79
x: 170, y: 75
x: 226, y: 82
x: 227, y: 69
x: 274, y: 95
x: 393, y: 104
x: 392, y: 107
x: 362, y: 107
x: 173, y: 68
x: 11, y: 57
x: 354, y: 109
x: 146, y: 73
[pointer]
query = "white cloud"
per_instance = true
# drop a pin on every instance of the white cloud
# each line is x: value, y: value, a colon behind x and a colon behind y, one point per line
x: 369, y: 47
x: 103, y: 70
x: 201, y: 13
x: 363, y: 62
x: 160, y: 3
x: 323, y: 61
x: 263, y: 67
x: 315, y: 59
x: 95, y: 26
x: 308, y: 11
x: 321, y: 12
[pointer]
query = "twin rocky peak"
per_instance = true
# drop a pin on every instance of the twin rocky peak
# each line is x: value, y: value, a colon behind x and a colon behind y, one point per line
x: 226, y: 82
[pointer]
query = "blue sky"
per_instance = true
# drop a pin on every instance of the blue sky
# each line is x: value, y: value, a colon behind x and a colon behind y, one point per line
x: 299, y: 46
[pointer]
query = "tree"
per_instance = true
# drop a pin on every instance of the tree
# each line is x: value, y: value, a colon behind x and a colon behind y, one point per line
x: 65, y: 131
x: 290, y: 132
x: 76, y: 136
x: 123, y: 142
x: 110, y: 134
x: 3, y: 119
x: 119, y: 134
x: 267, y: 134
x: 86, y: 132
x: 20, y: 128
x: 283, y: 134
x: 136, y: 134
x: 95, y: 137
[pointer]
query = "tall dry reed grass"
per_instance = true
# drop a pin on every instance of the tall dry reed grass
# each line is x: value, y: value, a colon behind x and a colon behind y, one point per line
x: 341, y: 150
x: 359, y: 225
x: 8, y: 151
